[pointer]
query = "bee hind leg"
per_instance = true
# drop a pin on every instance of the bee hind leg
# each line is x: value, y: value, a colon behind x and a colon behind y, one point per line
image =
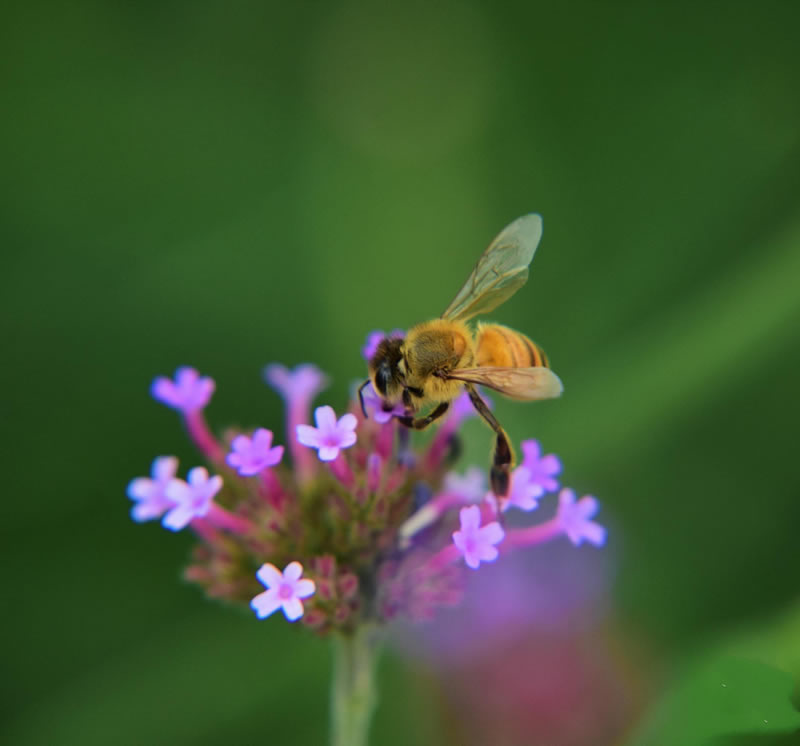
x: 503, y: 460
x: 423, y: 422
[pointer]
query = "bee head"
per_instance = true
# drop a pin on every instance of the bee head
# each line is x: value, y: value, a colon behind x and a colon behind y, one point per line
x: 385, y: 371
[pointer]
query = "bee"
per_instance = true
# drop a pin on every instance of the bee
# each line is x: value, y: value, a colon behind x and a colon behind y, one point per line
x: 438, y: 359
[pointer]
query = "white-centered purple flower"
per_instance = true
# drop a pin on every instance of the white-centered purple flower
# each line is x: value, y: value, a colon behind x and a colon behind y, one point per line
x: 187, y: 393
x: 543, y: 469
x: 375, y: 406
x: 150, y: 494
x: 574, y: 518
x: 475, y: 542
x: 284, y: 591
x: 470, y: 486
x: 250, y: 456
x: 330, y: 435
x: 191, y: 499
x: 375, y: 338
x: 525, y: 490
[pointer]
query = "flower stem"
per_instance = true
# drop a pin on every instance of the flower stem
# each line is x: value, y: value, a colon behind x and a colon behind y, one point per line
x: 353, y: 688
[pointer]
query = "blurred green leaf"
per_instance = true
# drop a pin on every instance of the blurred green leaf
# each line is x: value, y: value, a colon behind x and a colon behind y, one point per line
x: 719, y: 696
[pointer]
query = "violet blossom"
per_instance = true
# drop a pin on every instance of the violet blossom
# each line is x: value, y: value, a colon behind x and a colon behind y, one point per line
x: 284, y: 591
x: 249, y: 456
x: 150, y: 494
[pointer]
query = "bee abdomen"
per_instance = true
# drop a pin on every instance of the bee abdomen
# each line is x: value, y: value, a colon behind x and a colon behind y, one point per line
x: 501, y: 347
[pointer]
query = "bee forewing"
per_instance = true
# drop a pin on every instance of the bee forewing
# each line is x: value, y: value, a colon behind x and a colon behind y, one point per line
x: 526, y: 384
x: 501, y: 270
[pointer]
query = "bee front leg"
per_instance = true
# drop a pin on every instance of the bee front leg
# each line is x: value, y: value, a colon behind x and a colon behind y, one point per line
x: 500, y: 474
x: 423, y: 422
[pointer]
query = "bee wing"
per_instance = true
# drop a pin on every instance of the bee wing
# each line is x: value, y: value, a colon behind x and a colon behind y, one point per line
x: 526, y: 384
x: 501, y: 270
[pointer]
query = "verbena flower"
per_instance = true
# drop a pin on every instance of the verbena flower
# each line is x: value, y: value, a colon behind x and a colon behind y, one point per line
x: 187, y: 393
x: 370, y: 521
x: 330, y: 435
x: 476, y: 542
x: 574, y: 518
x: 249, y: 456
x: 284, y: 590
x: 150, y: 494
x: 190, y: 499
x: 542, y: 469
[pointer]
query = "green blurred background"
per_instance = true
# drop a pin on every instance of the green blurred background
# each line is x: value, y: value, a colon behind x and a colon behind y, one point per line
x: 225, y: 185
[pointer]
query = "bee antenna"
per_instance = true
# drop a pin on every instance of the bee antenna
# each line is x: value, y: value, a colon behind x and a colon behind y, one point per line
x: 361, y: 397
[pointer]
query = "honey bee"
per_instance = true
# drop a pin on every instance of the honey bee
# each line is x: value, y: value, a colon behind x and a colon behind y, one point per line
x: 438, y: 359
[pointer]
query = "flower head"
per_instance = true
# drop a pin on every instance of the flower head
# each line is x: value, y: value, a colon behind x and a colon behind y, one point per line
x: 284, y: 590
x: 542, y: 469
x: 378, y: 540
x: 574, y: 519
x: 150, y: 494
x: 252, y: 455
x: 330, y: 435
x: 191, y: 499
x: 187, y: 393
x: 475, y: 542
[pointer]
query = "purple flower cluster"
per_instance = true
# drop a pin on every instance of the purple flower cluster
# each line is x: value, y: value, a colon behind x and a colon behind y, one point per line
x: 379, y: 527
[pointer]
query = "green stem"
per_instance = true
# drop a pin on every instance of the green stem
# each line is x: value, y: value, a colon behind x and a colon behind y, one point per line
x: 353, y: 687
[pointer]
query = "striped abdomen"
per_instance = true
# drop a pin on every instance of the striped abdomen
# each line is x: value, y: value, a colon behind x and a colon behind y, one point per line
x: 497, y: 346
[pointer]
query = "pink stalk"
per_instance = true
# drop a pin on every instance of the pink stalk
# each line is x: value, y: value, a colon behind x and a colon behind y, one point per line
x: 224, y: 519
x: 374, y: 470
x: 342, y: 471
x: 384, y: 443
x: 198, y: 431
x: 444, y: 557
x: 203, y: 528
x: 304, y: 459
x: 272, y: 490
x: 526, y: 537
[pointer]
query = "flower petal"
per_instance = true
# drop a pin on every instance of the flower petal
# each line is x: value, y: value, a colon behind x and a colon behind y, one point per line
x: 269, y: 575
x: 178, y: 518
x: 292, y: 571
x: 164, y: 468
x: 304, y: 588
x: 293, y: 609
x: 266, y: 603
x: 308, y: 436
x: 325, y: 418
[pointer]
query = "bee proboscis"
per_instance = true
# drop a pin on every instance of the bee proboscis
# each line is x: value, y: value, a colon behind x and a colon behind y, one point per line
x: 439, y: 358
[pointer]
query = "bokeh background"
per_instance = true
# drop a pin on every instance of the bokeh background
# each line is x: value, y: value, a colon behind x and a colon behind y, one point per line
x: 225, y: 185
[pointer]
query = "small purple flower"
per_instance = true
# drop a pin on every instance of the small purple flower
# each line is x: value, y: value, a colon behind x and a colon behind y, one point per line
x: 542, y: 469
x: 374, y: 404
x: 375, y: 338
x: 330, y: 435
x: 192, y: 499
x: 187, y: 393
x: 301, y: 384
x: 250, y: 456
x: 574, y: 519
x: 475, y: 542
x: 150, y: 494
x: 469, y: 486
x: 525, y: 490
x: 284, y: 590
